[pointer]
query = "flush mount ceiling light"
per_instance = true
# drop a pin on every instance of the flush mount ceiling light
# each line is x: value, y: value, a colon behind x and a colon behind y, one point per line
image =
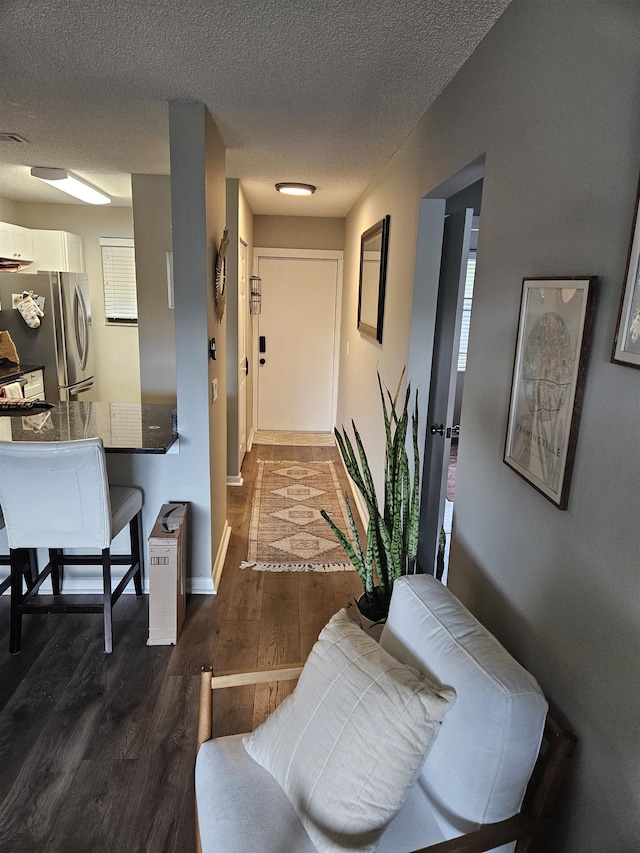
x: 68, y: 183
x: 289, y: 188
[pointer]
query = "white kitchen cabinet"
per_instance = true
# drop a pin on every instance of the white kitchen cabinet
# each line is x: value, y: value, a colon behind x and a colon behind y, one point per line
x: 16, y: 242
x: 33, y: 384
x: 22, y: 239
x: 60, y: 251
x: 6, y: 243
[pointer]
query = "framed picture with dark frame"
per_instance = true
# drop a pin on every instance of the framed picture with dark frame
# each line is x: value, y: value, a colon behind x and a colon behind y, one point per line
x: 554, y: 332
x: 626, y: 344
x: 374, y: 248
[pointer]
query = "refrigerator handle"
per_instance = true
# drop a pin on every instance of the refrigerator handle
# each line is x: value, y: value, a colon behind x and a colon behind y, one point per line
x: 81, y: 327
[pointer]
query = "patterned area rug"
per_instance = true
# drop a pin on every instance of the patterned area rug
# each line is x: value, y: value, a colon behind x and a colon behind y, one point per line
x: 287, y: 532
x: 451, y: 472
x: 297, y: 439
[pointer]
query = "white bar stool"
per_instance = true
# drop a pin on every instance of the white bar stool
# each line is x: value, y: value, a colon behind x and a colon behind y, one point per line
x: 56, y: 495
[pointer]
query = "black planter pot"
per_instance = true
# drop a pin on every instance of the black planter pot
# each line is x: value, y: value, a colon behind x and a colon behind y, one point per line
x: 372, y: 619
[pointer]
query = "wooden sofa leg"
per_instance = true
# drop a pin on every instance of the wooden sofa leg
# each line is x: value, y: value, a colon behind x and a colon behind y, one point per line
x: 205, y: 710
x: 198, y: 842
x: 204, y: 727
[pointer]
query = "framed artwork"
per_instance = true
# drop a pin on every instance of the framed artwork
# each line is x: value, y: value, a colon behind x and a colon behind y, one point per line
x: 374, y: 247
x: 626, y: 344
x: 554, y: 332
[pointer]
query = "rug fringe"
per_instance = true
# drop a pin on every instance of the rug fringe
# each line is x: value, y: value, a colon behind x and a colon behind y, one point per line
x: 298, y: 567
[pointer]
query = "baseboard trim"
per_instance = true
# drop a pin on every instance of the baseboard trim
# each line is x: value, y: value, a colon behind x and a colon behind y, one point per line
x: 200, y: 586
x: 93, y: 586
x: 235, y: 480
x: 221, y: 556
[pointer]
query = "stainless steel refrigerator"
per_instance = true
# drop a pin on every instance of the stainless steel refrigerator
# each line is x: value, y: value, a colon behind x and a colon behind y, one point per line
x: 62, y: 342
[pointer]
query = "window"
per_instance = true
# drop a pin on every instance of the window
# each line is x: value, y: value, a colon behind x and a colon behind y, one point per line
x: 466, y: 311
x: 119, y: 279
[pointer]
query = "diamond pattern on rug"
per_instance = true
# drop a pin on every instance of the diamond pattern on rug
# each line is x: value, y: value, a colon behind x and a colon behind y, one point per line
x: 297, y: 472
x: 299, y: 492
x: 304, y: 545
x: 276, y: 541
x: 299, y: 514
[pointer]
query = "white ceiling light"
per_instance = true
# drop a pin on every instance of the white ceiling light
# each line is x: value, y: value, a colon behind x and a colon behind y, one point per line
x: 289, y: 188
x: 68, y: 183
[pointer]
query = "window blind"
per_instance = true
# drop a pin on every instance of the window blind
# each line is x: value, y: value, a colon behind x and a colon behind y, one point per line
x: 119, y: 278
x: 466, y: 311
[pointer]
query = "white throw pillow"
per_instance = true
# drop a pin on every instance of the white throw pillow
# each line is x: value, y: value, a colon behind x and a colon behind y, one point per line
x: 349, y: 743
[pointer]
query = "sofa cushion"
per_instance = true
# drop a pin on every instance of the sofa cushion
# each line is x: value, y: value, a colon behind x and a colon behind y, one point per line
x: 240, y: 805
x: 349, y: 743
x: 226, y: 777
x: 481, y: 762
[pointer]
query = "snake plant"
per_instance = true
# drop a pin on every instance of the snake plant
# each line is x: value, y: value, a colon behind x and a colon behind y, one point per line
x: 391, y: 541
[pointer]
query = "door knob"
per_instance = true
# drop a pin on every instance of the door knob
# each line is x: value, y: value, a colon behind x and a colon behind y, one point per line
x: 437, y: 429
x: 263, y: 361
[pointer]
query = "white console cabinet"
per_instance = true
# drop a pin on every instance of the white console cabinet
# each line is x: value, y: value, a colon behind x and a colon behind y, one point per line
x: 58, y: 250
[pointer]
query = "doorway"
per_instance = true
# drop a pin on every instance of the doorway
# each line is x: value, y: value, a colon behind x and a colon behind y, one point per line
x: 297, y: 339
x: 447, y: 244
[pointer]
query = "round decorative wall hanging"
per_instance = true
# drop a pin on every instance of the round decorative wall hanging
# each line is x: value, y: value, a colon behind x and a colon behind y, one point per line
x: 221, y: 275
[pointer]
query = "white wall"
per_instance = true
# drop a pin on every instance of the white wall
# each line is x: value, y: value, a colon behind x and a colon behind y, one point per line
x: 116, y: 347
x: 550, y: 96
x: 8, y: 211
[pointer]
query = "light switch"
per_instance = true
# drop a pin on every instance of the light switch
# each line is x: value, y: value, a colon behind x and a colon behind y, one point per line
x: 214, y: 390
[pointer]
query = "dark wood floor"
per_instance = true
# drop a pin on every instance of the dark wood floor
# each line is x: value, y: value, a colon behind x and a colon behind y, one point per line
x: 97, y: 751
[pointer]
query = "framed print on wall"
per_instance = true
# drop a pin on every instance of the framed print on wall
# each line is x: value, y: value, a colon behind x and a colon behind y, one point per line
x: 626, y: 345
x: 554, y: 332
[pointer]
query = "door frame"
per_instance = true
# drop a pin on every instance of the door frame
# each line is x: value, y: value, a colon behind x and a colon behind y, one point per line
x: 244, y: 249
x: 310, y: 255
x: 426, y: 284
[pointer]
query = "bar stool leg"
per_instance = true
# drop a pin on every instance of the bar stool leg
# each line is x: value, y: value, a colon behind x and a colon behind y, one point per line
x: 55, y: 555
x: 18, y: 559
x: 31, y: 566
x: 108, y: 617
x: 135, y: 528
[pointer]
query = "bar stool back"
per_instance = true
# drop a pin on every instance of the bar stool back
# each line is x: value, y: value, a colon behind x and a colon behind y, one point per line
x: 56, y: 495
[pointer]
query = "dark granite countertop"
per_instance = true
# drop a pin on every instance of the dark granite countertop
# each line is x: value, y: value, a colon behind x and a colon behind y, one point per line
x: 123, y: 427
x: 11, y: 372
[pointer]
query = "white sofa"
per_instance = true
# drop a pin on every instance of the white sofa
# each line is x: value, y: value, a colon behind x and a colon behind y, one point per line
x: 475, y: 775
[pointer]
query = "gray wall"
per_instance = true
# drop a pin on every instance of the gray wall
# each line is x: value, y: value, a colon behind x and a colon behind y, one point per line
x: 156, y: 326
x: 551, y: 98
x: 197, y: 473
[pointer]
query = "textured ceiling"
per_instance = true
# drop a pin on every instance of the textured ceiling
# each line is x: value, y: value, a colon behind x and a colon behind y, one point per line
x: 320, y: 92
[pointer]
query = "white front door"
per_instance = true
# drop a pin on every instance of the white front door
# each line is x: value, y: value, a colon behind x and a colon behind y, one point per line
x: 297, y: 343
x: 243, y: 364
